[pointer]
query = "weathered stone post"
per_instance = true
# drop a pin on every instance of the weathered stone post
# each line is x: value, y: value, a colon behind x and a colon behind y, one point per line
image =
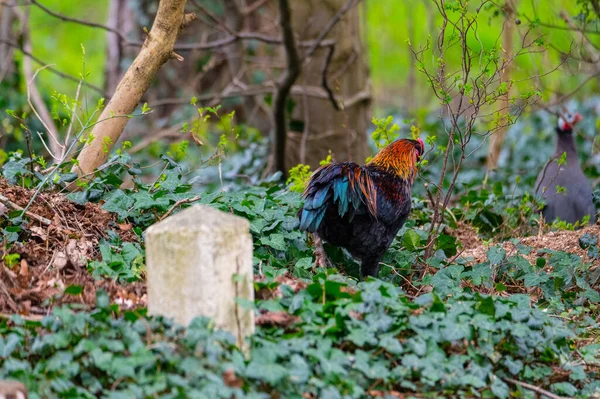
x: 198, y: 262
x: 13, y: 390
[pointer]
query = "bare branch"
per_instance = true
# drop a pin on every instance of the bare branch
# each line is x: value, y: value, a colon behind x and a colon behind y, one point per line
x: 16, y: 207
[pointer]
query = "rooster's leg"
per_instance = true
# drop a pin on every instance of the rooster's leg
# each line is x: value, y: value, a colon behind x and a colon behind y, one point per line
x: 370, y: 267
x: 320, y: 256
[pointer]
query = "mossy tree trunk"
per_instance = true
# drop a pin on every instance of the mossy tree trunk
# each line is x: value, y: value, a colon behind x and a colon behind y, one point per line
x: 316, y: 127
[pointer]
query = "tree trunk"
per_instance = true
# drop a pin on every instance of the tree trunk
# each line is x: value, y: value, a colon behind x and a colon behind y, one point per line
x: 121, y: 17
x: 497, y: 138
x: 157, y: 49
x: 316, y: 127
x: 7, y: 67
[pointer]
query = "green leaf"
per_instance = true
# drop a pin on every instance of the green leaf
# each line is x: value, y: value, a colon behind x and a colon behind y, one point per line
x: 496, y: 255
x: 535, y: 279
x: 118, y: 202
x: 411, y: 240
x: 74, y: 290
x: 304, y: 263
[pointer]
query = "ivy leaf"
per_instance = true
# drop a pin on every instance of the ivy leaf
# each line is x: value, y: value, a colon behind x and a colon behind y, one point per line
x: 411, y: 240
x: 118, y: 202
x: 535, y: 279
x: 304, y: 263
x: 496, y: 255
x: 500, y: 388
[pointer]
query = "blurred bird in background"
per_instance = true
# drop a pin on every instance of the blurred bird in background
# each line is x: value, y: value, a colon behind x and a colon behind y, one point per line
x: 562, y: 185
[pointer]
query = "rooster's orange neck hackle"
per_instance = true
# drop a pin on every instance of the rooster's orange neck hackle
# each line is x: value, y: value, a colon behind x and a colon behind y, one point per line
x: 399, y: 158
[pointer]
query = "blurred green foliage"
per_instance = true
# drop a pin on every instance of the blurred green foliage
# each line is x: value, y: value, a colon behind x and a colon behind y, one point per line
x: 60, y: 43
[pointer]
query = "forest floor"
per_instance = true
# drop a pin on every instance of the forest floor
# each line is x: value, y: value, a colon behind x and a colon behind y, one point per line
x: 63, y: 236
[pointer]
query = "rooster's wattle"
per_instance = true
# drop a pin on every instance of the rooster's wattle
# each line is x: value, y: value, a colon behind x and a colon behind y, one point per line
x: 361, y: 208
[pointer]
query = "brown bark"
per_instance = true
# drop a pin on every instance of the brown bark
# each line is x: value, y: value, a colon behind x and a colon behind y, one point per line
x: 497, y: 139
x: 157, y: 49
x: 343, y: 132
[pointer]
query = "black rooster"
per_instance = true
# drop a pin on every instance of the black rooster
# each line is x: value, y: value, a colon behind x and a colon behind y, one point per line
x: 361, y: 208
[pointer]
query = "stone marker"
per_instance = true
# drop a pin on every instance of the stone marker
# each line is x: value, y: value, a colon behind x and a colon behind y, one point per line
x: 192, y: 259
x: 12, y: 390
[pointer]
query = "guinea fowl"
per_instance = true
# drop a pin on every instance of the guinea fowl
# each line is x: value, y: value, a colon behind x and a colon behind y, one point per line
x: 565, y: 189
x: 361, y: 208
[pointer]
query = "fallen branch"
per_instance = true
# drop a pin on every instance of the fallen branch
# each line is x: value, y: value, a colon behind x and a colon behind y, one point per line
x: 33, y: 317
x: 535, y: 389
x: 178, y: 204
x: 32, y: 215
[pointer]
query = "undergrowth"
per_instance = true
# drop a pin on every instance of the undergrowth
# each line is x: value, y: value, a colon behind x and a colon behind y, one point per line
x: 466, y: 329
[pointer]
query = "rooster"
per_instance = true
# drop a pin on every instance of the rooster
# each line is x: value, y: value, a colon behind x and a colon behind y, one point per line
x: 361, y: 208
x: 574, y: 202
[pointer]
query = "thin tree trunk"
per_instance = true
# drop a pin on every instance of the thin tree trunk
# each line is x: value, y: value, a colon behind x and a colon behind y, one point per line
x: 157, y: 49
x: 7, y: 70
x: 120, y: 16
x: 497, y: 139
x: 7, y: 18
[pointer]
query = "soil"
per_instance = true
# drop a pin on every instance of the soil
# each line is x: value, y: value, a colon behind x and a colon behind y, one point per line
x: 53, y: 257
x: 564, y: 240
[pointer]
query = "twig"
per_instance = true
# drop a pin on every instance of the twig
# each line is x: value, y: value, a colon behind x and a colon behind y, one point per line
x: 179, y: 203
x: 55, y: 146
x: 32, y: 317
x: 32, y: 215
x: 63, y: 155
x: 552, y: 159
x: 535, y: 389
x: 284, y: 85
x: 253, y: 7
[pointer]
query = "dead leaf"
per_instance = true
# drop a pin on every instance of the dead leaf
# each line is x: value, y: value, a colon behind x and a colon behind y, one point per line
x: 381, y: 394
x: 37, y: 231
x: 78, y: 252
x: 60, y: 260
x: 196, y: 139
x: 125, y: 226
x: 356, y: 315
x: 279, y: 319
x: 3, y: 209
x: 24, y: 271
x: 231, y: 380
